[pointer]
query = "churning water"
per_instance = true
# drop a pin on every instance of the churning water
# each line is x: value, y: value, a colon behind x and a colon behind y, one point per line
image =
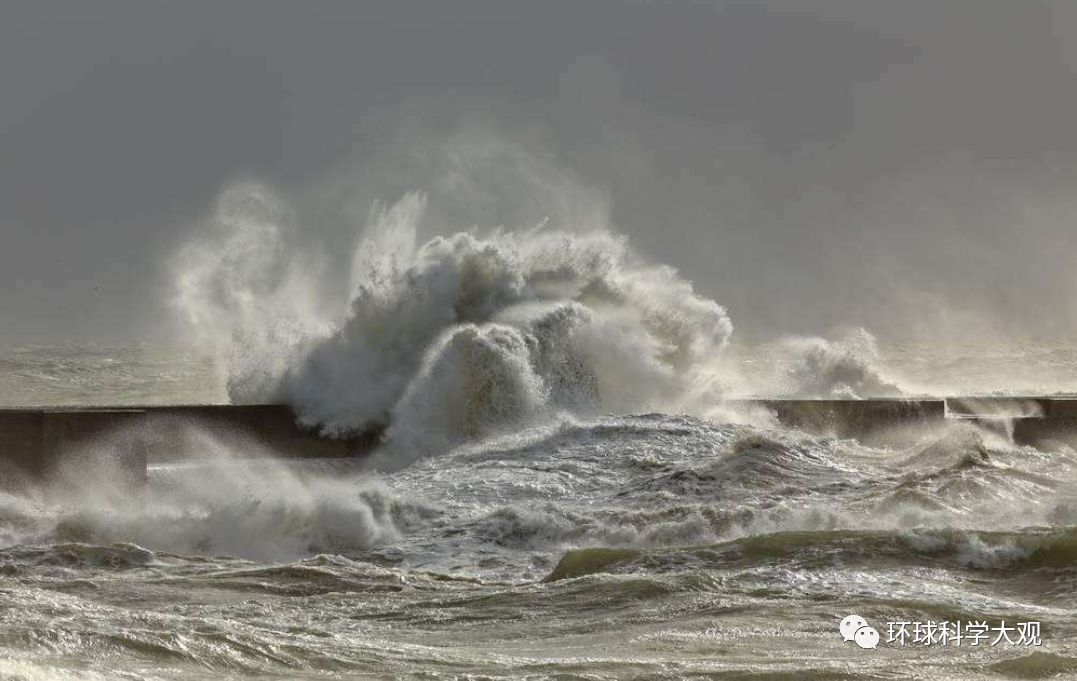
x: 559, y: 493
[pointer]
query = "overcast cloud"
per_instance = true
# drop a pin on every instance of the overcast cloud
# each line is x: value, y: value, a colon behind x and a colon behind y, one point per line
x: 906, y: 166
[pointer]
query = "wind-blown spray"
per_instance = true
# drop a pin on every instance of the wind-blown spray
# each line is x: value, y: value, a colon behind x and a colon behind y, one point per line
x: 453, y: 339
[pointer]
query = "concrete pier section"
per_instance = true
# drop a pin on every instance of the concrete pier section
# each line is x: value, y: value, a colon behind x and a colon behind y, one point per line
x: 854, y: 418
x: 1027, y: 420
x: 34, y: 442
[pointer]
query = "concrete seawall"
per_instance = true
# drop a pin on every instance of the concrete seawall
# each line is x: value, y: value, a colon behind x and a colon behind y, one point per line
x: 35, y: 441
x: 853, y: 418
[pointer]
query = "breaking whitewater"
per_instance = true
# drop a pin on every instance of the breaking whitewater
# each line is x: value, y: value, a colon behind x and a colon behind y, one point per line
x: 560, y: 492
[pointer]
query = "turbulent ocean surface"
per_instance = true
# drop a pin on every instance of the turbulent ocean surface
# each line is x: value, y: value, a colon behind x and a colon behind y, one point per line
x: 619, y: 547
x: 560, y: 492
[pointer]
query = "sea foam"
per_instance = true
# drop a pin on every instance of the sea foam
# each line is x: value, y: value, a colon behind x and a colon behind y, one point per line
x: 451, y: 339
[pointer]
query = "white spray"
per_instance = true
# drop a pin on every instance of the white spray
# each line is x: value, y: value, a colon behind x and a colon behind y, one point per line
x: 449, y: 340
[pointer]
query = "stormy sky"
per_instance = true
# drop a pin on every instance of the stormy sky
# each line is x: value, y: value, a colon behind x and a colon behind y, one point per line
x: 907, y: 166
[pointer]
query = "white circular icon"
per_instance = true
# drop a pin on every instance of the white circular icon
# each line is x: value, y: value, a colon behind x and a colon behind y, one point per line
x: 866, y: 637
x: 849, y: 625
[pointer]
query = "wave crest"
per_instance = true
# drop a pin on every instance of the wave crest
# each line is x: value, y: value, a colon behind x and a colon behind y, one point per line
x: 465, y: 334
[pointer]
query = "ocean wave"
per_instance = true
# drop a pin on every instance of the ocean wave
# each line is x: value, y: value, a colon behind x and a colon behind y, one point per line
x: 1033, y: 548
x: 262, y: 509
x: 450, y: 340
x: 1037, y: 665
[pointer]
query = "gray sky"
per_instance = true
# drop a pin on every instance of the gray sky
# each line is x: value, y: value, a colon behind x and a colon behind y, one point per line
x: 907, y: 166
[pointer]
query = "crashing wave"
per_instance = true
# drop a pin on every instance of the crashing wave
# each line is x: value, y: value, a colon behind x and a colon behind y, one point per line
x: 842, y: 369
x: 448, y: 340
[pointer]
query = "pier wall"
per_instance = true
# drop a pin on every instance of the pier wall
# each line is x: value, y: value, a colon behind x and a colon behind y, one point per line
x: 854, y: 418
x: 35, y: 441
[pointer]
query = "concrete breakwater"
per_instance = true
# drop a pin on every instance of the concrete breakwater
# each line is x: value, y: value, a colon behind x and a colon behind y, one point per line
x: 1028, y: 420
x: 35, y: 441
